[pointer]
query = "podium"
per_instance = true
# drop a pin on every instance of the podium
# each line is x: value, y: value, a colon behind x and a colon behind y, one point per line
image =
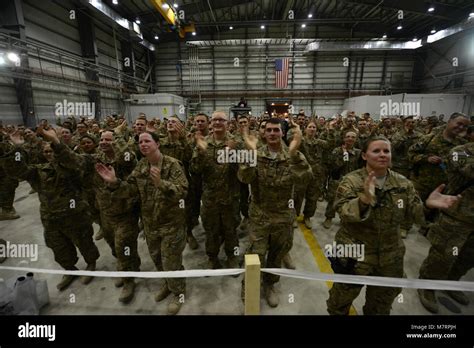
x: 239, y: 111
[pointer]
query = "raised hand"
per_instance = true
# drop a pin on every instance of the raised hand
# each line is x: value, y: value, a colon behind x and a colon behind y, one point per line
x: 16, y: 138
x: 200, y: 142
x: 296, y: 141
x: 368, y: 197
x: 106, y: 173
x: 437, y: 200
x: 250, y: 140
x: 48, y: 134
x: 155, y: 174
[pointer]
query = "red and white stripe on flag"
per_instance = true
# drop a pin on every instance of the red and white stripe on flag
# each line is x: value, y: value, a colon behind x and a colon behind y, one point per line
x: 281, y: 72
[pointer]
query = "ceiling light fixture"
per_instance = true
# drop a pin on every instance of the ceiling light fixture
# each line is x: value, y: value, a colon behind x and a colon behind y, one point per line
x: 310, y: 16
x: 399, y: 27
x: 262, y: 27
x: 431, y: 8
x: 231, y: 27
x: 303, y: 25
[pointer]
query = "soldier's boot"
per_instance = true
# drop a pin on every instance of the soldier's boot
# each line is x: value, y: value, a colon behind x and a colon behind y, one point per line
x: 270, y: 296
x: 8, y: 214
x: 118, y: 282
x: 295, y: 224
x: 300, y: 218
x: 66, y: 280
x: 99, y: 235
x: 308, y: 223
x: 424, y: 230
x: 327, y: 223
x: 233, y: 262
x: 32, y: 191
x: 3, y: 258
x: 428, y: 300
x: 128, y: 291
x: 403, y: 233
x: 87, y: 279
x: 458, y: 296
x: 192, y: 242
x: 162, y: 293
x: 288, y: 262
x: 244, y: 225
x: 174, y: 305
x: 214, y: 263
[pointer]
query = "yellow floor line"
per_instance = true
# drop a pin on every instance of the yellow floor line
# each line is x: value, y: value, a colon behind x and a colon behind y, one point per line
x: 319, y: 257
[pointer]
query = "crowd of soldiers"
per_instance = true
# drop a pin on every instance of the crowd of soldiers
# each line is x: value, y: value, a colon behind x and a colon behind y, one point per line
x: 160, y: 176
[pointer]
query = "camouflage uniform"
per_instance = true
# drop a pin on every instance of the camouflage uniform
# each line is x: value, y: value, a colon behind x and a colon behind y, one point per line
x: 377, y: 228
x: 162, y: 213
x: 220, y: 198
x: 272, y: 184
x: 340, y: 165
x: 313, y: 149
x: 8, y: 185
x: 64, y: 211
x: 455, y: 226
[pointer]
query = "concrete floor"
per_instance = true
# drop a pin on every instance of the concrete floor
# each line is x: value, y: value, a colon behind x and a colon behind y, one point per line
x: 213, y: 295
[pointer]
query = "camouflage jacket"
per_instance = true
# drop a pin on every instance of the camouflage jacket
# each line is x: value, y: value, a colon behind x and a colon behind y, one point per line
x: 427, y: 174
x: 180, y: 149
x: 219, y: 180
x: 162, y: 205
x: 343, y: 162
x: 401, y: 142
x: 461, y: 181
x: 316, y: 152
x: 377, y: 227
x: 272, y: 184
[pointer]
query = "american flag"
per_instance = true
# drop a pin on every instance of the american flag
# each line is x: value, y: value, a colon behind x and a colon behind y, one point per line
x: 281, y: 72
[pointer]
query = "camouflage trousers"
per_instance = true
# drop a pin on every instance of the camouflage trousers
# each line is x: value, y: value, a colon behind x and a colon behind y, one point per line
x: 424, y: 191
x: 244, y: 200
x: 271, y: 242
x: 378, y: 299
x: 310, y: 193
x: 7, y: 191
x: 121, y: 233
x: 331, y: 196
x: 452, y: 249
x: 220, y: 223
x: 63, y: 235
x: 406, y: 225
x: 166, y: 244
x: 193, y: 202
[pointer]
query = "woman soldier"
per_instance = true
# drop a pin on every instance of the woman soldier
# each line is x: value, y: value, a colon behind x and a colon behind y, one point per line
x: 372, y: 202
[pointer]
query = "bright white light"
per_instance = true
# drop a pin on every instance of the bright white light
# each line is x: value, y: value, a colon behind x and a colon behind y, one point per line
x: 310, y: 16
x: 194, y: 33
x: 433, y: 31
x: 13, y: 57
x: 115, y: 2
x: 156, y: 37
x: 303, y: 25
x: 166, y: 6
x: 137, y: 21
x: 2, y: 60
x: 262, y: 27
x: 431, y: 9
x: 384, y: 36
x: 175, y: 5
x: 414, y: 39
x: 471, y: 14
x: 231, y: 28
x: 399, y: 27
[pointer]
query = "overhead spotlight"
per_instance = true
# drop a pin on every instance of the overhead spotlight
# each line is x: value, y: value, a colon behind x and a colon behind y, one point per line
x: 194, y: 33
x: 231, y: 27
x: 471, y: 14
x: 431, y: 8
x: 262, y: 27
x: 384, y: 36
x: 165, y: 6
x: 303, y: 25
x: 433, y: 31
x: 156, y: 37
x: 13, y: 57
x: 115, y: 2
x: 310, y: 16
x: 175, y: 5
x: 414, y: 39
x: 137, y: 21
x: 399, y: 27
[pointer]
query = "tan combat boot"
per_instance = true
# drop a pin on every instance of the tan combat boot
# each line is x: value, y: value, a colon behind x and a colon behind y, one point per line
x: 192, y: 242
x: 8, y: 214
x: 87, y: 279
x: 174, y: 305
x: 128, y: 290
x: 162, y: 293
x: 270, y: 296
x: 403, y: 233
x: 308, y: 223
x: 458, y: 296
x: 118, y: 282
x: 214, y: 263
x: 428, y: 300
x: 327, y: 223
x: 288, y: 262
x: 65, y: 282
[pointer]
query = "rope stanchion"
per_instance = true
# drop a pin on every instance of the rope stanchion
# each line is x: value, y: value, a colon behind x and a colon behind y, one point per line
x: 252, y: 285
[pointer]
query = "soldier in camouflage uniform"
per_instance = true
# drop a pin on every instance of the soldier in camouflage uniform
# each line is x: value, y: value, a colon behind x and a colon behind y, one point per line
x: 428, y: 157
x: 8, y: 186
x: 221, y: 190
x: 372, y: 202
x: 363, y: 134
x: 385, y: 128
x: 272, y: 213
x: 343, y: 160
x: 401, y: 142
x: 63, y: 209
x: 452, y: 236
x: 160, y: 184
x: 313, y: 149
x: 175, y: 144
